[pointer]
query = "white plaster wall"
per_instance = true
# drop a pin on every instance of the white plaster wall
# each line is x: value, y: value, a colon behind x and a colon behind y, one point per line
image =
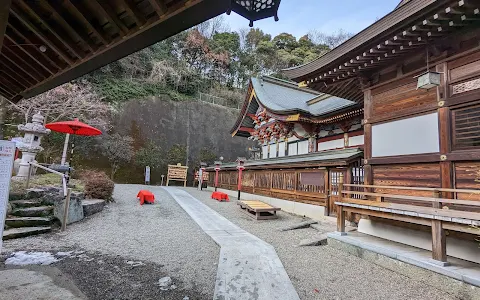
x: 335, y: 144
x: 265, y: 152
x: 273, y: 150
x: 356, y: 140
x: 455, y: 247
x: 281, y: 149
x: 311, y: 211
x: 292, y: 149
x: 408, y: 136
x: 303, y: 147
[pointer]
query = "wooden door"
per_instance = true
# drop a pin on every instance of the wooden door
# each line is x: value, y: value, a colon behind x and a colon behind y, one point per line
x: 334, y: 195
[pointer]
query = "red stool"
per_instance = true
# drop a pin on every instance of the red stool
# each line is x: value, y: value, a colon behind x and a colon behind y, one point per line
x: 146, y: 196
x: 220, y: 196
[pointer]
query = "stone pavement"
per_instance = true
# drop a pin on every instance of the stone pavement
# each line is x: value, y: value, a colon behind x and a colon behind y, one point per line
x: 248, y: 267
x: 42, y: 282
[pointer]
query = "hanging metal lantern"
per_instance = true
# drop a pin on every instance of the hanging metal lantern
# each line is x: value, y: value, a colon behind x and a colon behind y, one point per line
x: 254, y: 10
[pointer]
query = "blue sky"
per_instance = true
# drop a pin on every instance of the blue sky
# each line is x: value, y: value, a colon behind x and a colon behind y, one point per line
x: 300, y: 16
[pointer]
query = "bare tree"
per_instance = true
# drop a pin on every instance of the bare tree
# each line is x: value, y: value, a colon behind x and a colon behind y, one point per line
x: 210, y: 27
x: 118, y: 149
x: 331, y: 40
x: 68, y: 101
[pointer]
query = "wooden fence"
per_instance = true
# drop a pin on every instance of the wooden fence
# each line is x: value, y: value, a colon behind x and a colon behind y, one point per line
x: 306, y: 186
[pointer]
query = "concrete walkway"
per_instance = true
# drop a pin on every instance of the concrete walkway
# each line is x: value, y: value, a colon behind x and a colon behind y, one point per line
x: 248, y: 267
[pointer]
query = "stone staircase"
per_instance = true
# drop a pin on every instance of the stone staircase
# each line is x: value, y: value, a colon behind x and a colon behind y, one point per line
x: 29, y: 216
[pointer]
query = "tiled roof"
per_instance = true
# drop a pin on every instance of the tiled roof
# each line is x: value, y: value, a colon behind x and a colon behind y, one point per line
x: 282, y: 97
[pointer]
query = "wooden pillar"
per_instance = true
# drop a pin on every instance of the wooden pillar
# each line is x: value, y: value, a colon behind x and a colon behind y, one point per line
x: 367, y: 131
x: 439, y: 243
x: 340, y: 220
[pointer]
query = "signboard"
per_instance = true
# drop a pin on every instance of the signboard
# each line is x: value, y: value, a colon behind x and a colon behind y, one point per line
x: 177, y: 172
x: 147, y: 174
x: 7, y: 153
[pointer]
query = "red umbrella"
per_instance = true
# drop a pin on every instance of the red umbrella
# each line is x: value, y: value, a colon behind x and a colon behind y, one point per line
x: 73, y: 127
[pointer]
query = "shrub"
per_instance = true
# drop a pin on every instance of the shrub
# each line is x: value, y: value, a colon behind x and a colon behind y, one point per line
x: 98, y: 185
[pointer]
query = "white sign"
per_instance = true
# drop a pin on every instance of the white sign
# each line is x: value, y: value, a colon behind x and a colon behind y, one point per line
x: 7, y: 153
x: 147, y: 174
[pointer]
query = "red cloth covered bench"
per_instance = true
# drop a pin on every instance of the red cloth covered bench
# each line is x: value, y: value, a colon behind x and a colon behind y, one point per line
x: 220, y: 196
x: 146, y: 196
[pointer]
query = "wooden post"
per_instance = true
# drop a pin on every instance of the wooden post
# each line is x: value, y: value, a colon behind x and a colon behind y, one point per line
x: 340, y: 220
x: 28, y: 176
x: 340, y: 186
x: 65, y: 209
x: 439, y: 243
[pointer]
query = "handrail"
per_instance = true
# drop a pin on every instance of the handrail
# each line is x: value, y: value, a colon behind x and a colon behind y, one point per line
x: 392, y: 187
x: 64, y: 177
x: 415, y: 198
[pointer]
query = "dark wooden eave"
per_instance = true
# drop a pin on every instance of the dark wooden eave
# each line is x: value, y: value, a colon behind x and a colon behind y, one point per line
x: 404, y: 31
x: 83, y: 35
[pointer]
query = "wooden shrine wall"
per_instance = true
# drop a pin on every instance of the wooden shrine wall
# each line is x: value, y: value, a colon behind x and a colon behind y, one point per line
x: 456, y: 102
x: 299, y: 185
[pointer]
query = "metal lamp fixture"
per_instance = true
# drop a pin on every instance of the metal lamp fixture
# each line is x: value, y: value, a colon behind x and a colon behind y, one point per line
x: 255, y: 10
x: 428, y: 79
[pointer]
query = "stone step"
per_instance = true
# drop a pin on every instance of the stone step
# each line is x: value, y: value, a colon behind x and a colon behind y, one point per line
x: 28, y: 221
x: 39, y: 211
x: 14, y: 233
x: 317, y: 240
x: 25, y: 203
x: 92, y: 206
x: 301, y: 225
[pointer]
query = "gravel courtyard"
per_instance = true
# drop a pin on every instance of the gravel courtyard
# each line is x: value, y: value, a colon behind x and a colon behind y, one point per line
x: 169, y: 243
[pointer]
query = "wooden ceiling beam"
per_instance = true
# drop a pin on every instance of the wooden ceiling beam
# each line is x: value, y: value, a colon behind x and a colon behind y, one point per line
x: 62, y: 40
x: 28, y: 54
x: 20, y: 68
x: 12, y: 87
x: 132, y: 11
x: 4, y: 8
x: 75, y: 9
x: 20, y: 59
x: 16, y: 79
x: 81, y: 36
x: 28, y: 41
x: 37, y: 32
x: 4, y: 91
x: 159, y: 6
x: 104, y: 8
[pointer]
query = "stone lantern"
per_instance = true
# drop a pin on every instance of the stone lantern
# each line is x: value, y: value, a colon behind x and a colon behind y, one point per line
x: 33, y: 133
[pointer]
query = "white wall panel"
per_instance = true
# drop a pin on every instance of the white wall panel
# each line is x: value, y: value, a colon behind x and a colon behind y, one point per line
x: 292, y: 149
x: 281, y: 149
x: 356, y: 140
x: 408, y: 136
x: 265, y: 152
x: 335, y: 144
x: 273, y: 150
x: 303, y: 147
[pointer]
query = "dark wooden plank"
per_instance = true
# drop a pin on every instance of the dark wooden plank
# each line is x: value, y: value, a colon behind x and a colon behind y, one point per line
x: 405, y: 159
x: 439, y: 242
x: 4, y: 9
x: 340, y: 219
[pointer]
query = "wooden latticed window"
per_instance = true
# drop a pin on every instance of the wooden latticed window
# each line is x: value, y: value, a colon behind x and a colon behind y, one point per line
x: 466, y: 128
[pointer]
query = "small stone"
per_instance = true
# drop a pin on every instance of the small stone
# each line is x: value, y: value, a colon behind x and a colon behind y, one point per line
x: 186, y: 298
x: 164, y: 283
x: 9, y: 209
x: 172, y: 287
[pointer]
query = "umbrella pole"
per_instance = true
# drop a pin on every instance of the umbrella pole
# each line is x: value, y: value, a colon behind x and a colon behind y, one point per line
x: 71, y: 157
x: 65, y: 148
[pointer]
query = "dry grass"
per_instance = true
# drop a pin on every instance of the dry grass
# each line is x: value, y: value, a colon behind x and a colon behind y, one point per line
x: 42, y: 180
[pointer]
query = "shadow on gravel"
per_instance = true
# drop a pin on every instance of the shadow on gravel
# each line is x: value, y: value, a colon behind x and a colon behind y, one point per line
x: 102, y: 277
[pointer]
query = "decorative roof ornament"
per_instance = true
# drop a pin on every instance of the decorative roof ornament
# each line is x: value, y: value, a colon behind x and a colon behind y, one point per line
x: 255, y: 10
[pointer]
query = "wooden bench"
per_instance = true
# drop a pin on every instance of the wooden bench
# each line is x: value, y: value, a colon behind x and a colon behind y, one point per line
x: 258, y: 209
x: 439, y: 213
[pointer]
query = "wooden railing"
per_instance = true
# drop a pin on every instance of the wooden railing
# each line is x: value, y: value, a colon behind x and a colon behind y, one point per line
x: 435, y: 211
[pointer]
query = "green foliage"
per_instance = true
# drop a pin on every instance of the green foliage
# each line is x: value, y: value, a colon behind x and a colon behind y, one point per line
x: 176, y: 154
x: 207, y: 156
x: 117, y: 149
x: 150, y: 155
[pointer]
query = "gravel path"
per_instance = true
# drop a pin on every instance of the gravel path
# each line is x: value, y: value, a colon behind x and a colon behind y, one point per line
x: 161, y: 233
x: 323, y: 272
x: 165, y: 236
